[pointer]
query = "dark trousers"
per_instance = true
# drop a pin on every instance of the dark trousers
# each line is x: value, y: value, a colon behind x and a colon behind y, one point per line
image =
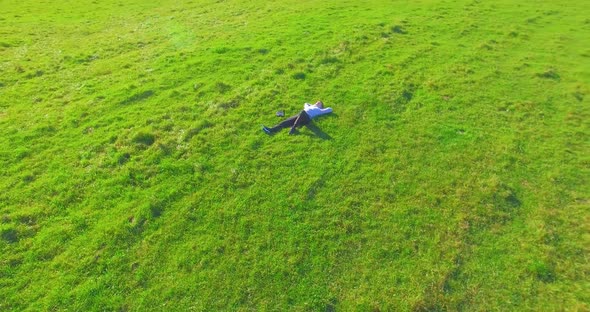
x: 298, y: 120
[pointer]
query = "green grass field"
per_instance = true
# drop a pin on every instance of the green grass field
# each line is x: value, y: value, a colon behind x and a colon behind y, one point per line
x: 452, y: 176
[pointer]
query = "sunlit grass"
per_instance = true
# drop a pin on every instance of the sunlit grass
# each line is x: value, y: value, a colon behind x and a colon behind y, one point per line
x: 452, y: 174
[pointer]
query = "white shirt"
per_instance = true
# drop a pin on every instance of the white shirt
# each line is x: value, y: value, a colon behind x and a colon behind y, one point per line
x: 314, y: 111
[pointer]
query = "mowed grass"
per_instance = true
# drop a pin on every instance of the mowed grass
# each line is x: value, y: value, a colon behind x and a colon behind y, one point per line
x: 453, y: 174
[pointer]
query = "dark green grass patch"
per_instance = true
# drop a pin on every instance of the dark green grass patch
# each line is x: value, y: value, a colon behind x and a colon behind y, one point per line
x: 144, y: 138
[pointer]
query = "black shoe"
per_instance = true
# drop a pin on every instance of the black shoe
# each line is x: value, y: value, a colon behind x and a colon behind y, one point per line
x: 266, y: 130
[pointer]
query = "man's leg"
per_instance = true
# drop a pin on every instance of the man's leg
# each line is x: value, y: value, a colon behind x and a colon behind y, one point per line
x: 302, y: 119
x: 297, y: 121
x: 284, y: 124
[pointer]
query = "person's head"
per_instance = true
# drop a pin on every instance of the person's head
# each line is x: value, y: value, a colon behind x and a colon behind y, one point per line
x: 319, y: 104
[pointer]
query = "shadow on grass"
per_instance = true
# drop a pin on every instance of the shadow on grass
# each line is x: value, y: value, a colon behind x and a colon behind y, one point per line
x: 138, y: 97
x: 317, y: 131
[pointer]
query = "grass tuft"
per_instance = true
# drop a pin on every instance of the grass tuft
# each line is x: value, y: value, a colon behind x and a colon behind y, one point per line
x: 397, y: 29
x: 549, y: 74
x: 222, y: 87
x: 299, y: 76
x: 9, y: 235
x: 145, y: 138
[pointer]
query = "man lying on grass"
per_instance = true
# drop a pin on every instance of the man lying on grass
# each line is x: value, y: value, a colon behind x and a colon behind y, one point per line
x: 303, y: 118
